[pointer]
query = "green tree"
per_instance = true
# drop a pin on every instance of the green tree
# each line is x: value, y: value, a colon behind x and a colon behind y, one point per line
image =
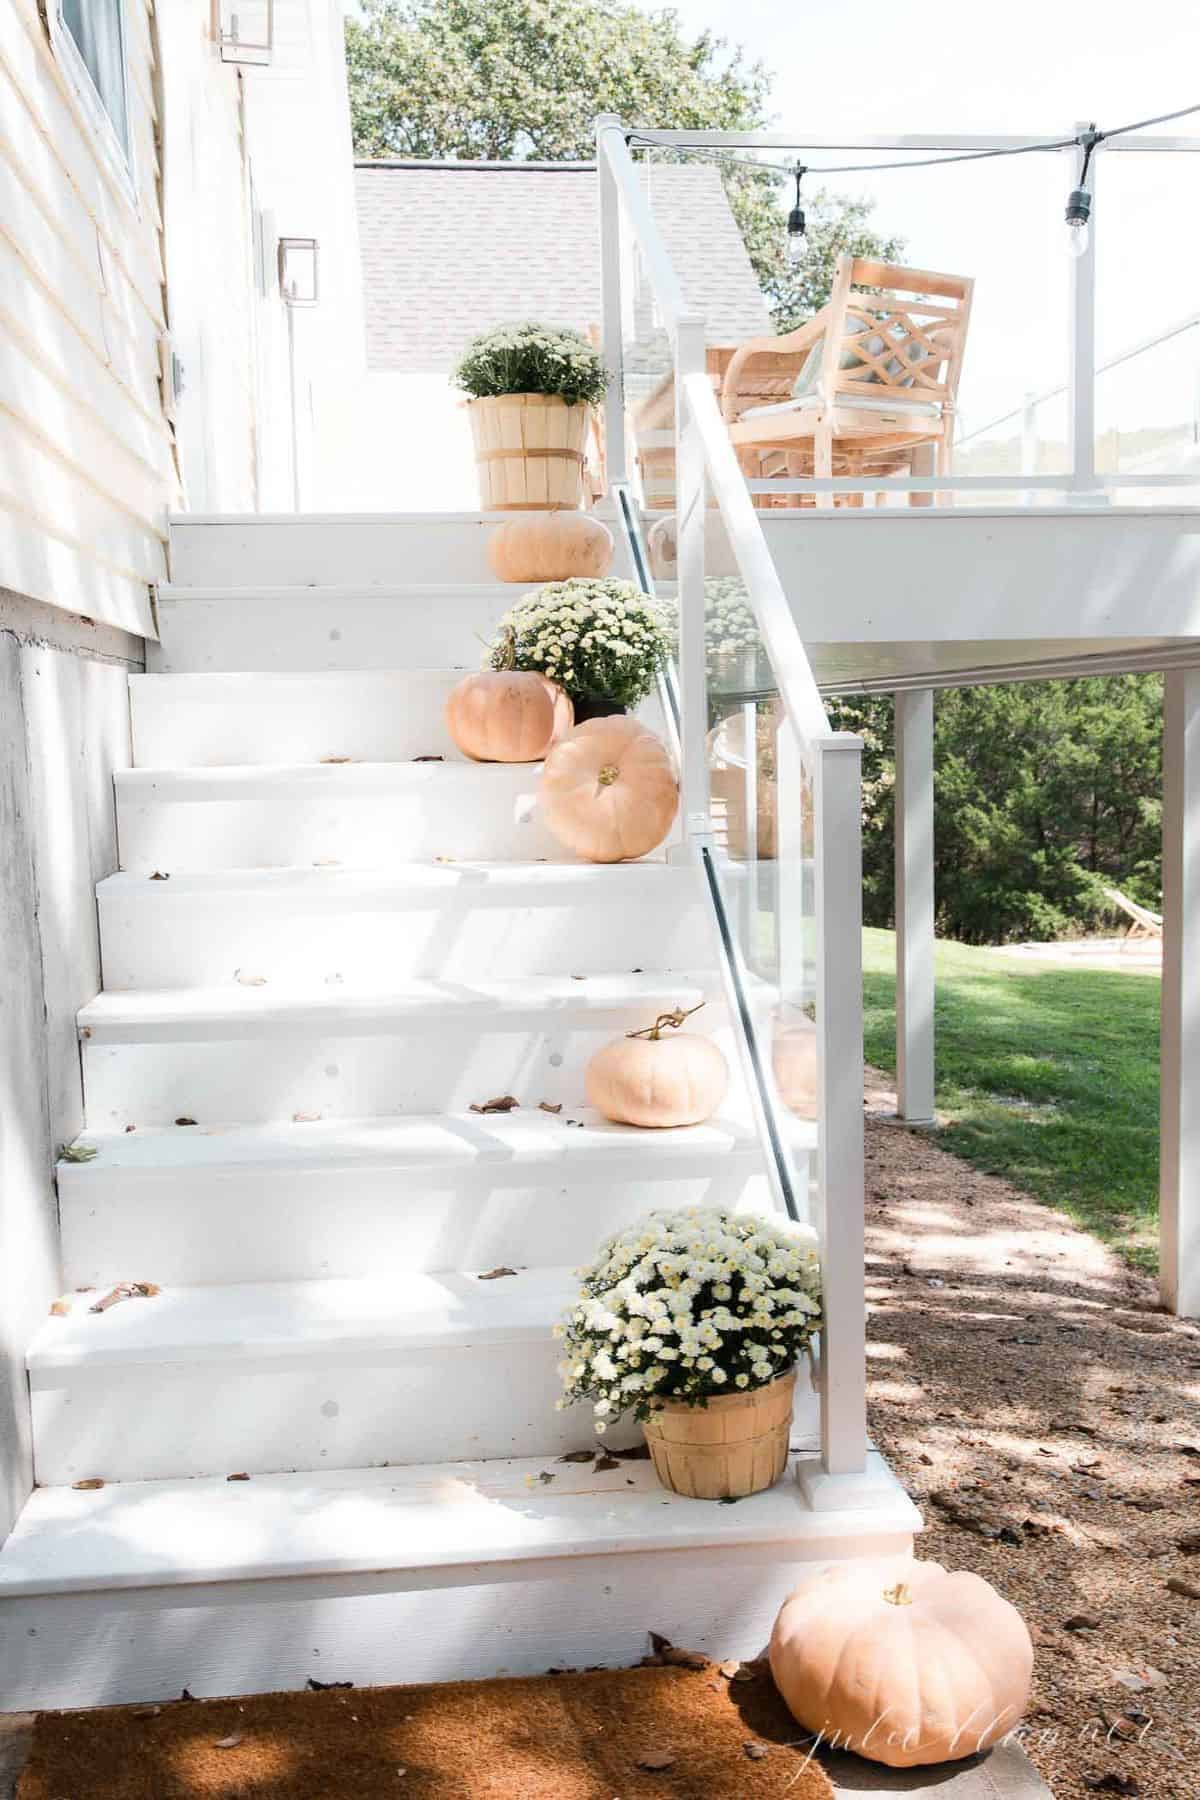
x: 522, y: 80
x: 1044, y: 792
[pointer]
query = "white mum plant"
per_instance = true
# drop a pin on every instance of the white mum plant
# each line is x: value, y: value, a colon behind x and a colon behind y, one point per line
x: 730, y: 628
x: 686, y: 1305
x: 599, y: 639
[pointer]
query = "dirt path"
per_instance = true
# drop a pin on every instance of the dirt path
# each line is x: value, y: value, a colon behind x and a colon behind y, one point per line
x: 1046, y: 1418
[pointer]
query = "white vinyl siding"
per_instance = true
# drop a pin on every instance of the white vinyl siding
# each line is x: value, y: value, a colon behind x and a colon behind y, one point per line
x: 87, y: 470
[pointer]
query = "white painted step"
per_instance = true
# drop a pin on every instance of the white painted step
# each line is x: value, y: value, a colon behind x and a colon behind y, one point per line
x: 258, y: 1053
x: 316, y: 549
x: 429, y: 625
x: 417, y: 922
x: 358, y: 1197
x: 297, y: 1375
x: 210, y: 721
x: 420, y: 1574
x: 373, y: 815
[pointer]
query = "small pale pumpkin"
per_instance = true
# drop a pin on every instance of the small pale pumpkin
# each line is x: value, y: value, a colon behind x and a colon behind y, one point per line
x: 608, y: 791
x: 507, y: 715
x: 902, y: 1662
x: 550, y: 546
x: 658, y: 1077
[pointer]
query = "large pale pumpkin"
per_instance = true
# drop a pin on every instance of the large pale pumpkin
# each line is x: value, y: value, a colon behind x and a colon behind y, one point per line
x: 608, y: 791
x: 902, y: 1662
x: 550, y: 546
x: 507, y: 715
x: 658, y: 1077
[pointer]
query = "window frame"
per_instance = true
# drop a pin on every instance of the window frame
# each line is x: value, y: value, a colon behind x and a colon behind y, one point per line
x: 118, y: 154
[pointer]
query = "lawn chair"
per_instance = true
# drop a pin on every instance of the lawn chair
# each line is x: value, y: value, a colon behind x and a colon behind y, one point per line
x: 881, y: 404
x: 1143, y: 922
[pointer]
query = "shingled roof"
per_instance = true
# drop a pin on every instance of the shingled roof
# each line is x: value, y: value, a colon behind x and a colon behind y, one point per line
x: 450, y: 249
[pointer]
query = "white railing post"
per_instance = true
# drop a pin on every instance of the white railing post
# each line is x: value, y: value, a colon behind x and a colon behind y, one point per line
x: 1081, y: 367
x: 1029, y: 442
x: 837, y: 855
x: 913, y: 832
x: 611, y: 309
x: 690, y: 488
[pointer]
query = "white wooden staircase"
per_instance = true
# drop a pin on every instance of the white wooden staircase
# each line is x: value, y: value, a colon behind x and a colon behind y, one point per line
x: 319, y: 953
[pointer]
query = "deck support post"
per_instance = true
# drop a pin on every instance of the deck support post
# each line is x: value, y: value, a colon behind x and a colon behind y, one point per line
x: 1179, y: 1125
x: 914, y: 906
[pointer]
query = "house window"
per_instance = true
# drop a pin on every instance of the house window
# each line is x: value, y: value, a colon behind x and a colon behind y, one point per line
x: 94, y: 31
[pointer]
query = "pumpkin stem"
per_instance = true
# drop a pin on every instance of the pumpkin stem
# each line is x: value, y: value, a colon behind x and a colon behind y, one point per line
x: 608, y: 774
x: 674, y: 1018
x: 900, y: 1595
x: 504, y: 652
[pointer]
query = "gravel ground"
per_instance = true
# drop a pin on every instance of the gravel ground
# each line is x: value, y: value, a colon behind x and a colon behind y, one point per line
x: 1045, y: 1416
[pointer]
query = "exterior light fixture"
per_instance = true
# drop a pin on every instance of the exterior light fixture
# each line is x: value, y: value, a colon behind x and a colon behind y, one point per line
x: 246, y: 31
x: 1079, y: 200
x: 796, y: 222
x: 298, y: 271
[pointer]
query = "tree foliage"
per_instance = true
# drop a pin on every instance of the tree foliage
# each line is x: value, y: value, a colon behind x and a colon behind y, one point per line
x: 523, y: 80
x: 1044, y: 792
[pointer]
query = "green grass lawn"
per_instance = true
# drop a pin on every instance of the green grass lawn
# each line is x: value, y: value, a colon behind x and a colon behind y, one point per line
x: 1048, y: 1076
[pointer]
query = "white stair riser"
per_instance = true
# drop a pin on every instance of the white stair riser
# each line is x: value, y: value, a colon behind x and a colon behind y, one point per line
x: 241, y: 1225
x: 97, y: 1649
x: 222, y: 721
x: 298, y: 824
x: 164, y: 938
x: 325, y: 550
x: 145, y: 1421
x: 273, y: 630
x: 255, y: 1075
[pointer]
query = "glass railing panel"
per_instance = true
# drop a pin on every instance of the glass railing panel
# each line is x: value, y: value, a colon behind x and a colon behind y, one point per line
x: 1147, y: 320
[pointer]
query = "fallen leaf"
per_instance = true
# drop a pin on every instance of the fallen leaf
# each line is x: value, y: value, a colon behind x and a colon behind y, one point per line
x: 578, y: 1456
x: 240, y: 1476
x: 185, y: 1120
x: 1111, y: 1784
x: 659, y: 1643
x: 605, y: 1462
x: 130, y: 1128
x: 1190, y: 1545
x: 1186, y: 1449
x: 654, y: 1760
x: 125, y: 1290
x: 60, y: 1309
x: 249, y: 980
x: 186, y: 1694
x: 1188, y: 1589
x: 159, y: 876
x: 503, y: 1103
x: 324, y: 1687
x: 90, y: 1485
x: 684, y: 1659
x: 639, y: 1453
x: 545, y: 1476
x: 743, y: 1672
x: 305, y: 1118
x: 77, y: 1153
x: 1081, y: 1622
x: 429, y: 759
x: 337, y: 759
x: 755, y: 1752
x: 228, y: 1743
x: 728, y: 1499
x: 495, y: 1274
x: 550, y: 1106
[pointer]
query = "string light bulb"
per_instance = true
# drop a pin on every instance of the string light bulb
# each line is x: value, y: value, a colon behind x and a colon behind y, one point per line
x: 796, y: 222
x: 1079, y: 200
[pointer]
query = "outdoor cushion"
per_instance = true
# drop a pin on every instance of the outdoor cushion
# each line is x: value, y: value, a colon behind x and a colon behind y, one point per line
x: 921, y: 409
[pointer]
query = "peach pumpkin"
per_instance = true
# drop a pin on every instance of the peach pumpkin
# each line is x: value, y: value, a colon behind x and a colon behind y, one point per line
x: 608, y: 791
x: 507, y: 715
x: 658, y: 1077
x: 902, y: 1662
x: 550, y: 546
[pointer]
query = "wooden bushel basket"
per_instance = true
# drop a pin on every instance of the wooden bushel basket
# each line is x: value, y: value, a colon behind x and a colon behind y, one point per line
x: 529, y: 451
x: 734, y: 1446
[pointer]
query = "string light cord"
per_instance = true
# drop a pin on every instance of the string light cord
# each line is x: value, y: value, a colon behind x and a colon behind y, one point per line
x: 1087, y: 140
